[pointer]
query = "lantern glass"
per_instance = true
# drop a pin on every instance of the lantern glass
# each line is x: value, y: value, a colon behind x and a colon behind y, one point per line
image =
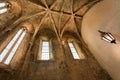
x: 105, y: 39
x: 111, y: 35
x: 107, y: 36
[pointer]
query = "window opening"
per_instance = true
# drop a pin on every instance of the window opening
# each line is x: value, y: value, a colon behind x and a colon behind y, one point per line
x: 9, y: 51
x: 3, y: 10
x: 73, y: 51
x: 45, y: 51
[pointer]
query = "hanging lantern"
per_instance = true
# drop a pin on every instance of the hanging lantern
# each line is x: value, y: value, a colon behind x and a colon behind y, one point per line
x: 107, y: 36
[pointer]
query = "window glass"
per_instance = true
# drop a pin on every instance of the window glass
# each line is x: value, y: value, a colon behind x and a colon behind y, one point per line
x: 45, y: 51
x: 3, y: 10
x: 73, y: 51
x: 12, y: 53
x: 8, y: 53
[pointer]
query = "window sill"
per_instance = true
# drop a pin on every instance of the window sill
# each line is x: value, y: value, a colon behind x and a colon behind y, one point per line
x: 79, y: 59
x: 45, y: 61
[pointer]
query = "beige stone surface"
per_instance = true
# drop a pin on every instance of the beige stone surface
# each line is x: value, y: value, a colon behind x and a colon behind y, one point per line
x: 104, y: 16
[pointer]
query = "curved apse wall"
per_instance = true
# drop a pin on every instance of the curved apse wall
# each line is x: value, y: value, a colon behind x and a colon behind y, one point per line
x: 104, y: 16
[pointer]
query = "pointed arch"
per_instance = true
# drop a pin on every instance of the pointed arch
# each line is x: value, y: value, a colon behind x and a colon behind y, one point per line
x: 46, y: 32
x: 70, y: 34
x: 43, y: 44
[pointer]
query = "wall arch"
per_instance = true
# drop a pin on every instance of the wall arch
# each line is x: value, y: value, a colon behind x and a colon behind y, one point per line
x: 46, y: 32
x: 70, y: 34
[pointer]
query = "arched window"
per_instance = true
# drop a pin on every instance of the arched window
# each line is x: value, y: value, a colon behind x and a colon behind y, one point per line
x: 75, y: 50
x: 9, y: 51
x: 45, y: 52
x: 4, y: 7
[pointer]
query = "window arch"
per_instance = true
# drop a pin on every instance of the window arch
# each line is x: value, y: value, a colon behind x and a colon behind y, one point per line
x: 4, y: 7
x: 45, y: 52
x: 9, y: 51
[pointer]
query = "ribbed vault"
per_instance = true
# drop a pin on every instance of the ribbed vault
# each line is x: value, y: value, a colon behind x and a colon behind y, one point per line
x: 59, y: 16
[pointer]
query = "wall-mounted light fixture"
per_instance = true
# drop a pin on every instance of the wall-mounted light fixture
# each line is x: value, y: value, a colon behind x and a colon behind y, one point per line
x: 107, y: 36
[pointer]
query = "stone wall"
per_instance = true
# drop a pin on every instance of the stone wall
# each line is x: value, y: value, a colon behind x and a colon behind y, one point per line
x: 64, y: 67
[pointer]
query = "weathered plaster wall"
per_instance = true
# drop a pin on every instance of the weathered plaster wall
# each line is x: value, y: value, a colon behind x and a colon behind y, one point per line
x: 104, y: 16
x: 63, y: 66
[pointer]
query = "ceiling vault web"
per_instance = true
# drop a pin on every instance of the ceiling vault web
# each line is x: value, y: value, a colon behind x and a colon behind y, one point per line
x: 59, y: 12
x: 46, y: 4
x: 87, y: 4
x: 62, y: 7
x: 65, y: 25
x: 53, y: 4
x: 72, y: 7
x: 20, y: 20
x: 78, y: 31
x: 54, y: 26
x: 39, y: 26
x: 60, y: 23
x: 38, y: 5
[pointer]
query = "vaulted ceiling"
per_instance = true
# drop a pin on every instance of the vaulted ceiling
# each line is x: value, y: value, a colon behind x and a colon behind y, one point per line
x: 59, y: 16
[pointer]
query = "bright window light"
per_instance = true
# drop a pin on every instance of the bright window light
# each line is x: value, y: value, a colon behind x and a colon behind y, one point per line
x: 3, y: 10
x: 2, y: 4
x: 8, y: 53
x: 73, y: 50
x: 45, y: 51
x: 5, y: 51
x: 12, y: 53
